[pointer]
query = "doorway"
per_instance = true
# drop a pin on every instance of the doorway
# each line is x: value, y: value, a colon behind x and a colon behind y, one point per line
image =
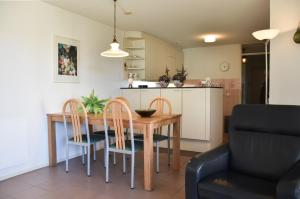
x: 253, y: 74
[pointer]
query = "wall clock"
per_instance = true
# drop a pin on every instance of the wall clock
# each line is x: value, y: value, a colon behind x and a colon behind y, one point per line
x: 224, y: 66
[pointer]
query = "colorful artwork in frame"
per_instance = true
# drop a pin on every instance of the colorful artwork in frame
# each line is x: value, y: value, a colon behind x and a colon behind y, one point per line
x: 66, y: 60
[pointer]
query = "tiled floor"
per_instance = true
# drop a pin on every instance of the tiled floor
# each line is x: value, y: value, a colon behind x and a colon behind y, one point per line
x: 53, y: 182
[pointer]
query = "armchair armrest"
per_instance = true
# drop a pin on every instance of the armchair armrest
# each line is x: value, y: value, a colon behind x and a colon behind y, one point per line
x: 288, y: 186
x: 203, y: 165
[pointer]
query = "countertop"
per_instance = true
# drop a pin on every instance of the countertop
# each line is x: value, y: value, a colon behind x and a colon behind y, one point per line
x: 174, y: 87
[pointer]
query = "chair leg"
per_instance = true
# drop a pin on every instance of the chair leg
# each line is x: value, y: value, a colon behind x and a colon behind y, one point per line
x: 169, y: 146
x: 124, y: 163
x: 89, y: 160
x: 67, y: 158
x: 82, y: 156
x: 115, y: 159
x: 157, y: 157
x: 104, y: 154
x: 127, y: 134
x: 95, y: 146
x: 106, y: 165
x: 132, y: 181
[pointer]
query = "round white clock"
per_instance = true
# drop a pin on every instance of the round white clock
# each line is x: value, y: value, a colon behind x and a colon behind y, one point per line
x: 225, y: 66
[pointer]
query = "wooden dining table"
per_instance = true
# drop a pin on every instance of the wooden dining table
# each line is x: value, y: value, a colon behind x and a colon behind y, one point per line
x: 143, y: 124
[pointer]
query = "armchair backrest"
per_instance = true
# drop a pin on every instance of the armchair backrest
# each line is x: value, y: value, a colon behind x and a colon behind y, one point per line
x: 264, y: 140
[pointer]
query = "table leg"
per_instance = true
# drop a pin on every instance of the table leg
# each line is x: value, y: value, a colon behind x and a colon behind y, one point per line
x: 91, y: 130
x: 148, y: 157
x: 51, y: 142
x: 176, y: 145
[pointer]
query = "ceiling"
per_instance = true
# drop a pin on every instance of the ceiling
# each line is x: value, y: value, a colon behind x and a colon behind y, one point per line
x: 180, y: 21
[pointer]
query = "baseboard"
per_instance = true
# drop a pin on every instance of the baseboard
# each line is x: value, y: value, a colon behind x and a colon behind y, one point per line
x: 39, y: 166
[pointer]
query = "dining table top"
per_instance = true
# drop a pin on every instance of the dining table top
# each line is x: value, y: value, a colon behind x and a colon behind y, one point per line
x: 135, y: 117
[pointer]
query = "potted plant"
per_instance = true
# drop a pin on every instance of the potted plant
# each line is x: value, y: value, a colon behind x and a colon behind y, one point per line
x: 180, y: 77
x: 93, y: 104
x: 164, y: 80
x: 297, y: 35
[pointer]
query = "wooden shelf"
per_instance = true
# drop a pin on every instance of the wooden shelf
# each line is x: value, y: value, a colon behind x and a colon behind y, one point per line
x: 135, y: 68
x: 134, y: 58
x: 135, y: 48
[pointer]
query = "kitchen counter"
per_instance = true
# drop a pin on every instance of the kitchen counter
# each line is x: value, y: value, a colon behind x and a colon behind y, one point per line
x: 173, y: 87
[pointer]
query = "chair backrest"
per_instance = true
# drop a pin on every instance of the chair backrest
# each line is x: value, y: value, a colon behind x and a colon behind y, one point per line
x: 264, y: 140
x: 160, y: 103
x: 75, y: 110
x: 118, y: 111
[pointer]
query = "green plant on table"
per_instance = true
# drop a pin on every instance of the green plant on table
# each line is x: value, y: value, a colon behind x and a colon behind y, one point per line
x: 93, y: 104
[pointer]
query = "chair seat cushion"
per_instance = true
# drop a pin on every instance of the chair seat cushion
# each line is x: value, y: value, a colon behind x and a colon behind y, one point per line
x: 138, y: 145
x: 156, y: 137
x: 93, y: 138
x: 111, y: 133
x: 235, y: 185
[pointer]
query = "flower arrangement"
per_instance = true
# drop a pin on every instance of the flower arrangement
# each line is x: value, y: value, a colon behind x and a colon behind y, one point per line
x: 180, y: 77
x: 164, y: 80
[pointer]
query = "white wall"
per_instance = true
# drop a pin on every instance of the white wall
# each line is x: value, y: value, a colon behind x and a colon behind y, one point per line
x: 204, y: 62
x: 160, y: 54
x: 26, y: 82
x: 285, y: 53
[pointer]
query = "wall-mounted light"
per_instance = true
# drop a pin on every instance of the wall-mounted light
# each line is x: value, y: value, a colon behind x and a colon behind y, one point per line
x: 244, y: 60
x: 210, y: 38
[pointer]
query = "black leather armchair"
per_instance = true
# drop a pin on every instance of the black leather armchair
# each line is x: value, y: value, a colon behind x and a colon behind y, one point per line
x: 261, y: 161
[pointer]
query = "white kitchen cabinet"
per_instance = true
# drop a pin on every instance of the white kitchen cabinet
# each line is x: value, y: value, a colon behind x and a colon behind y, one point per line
x: 174, y: 96
x: 147, y: 95
x: 134, y: 98
x: 193, y: 114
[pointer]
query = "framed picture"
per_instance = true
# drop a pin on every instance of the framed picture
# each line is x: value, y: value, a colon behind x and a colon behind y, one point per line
x: 66, y: 60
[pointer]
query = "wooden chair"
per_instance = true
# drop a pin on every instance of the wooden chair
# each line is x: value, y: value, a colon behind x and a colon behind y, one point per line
x: 80, y: 131
x: 160, y: 103
x: 118, y: 111
x: 111, y: 133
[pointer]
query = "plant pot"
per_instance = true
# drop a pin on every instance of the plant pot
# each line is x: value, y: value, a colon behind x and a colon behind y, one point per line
x: 178, y: 83
x: 163, y: 84
x: 297, y: 36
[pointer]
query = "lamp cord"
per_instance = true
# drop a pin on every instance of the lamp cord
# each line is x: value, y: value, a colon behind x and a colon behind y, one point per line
x: 115, y: 22
x: 267, y: 73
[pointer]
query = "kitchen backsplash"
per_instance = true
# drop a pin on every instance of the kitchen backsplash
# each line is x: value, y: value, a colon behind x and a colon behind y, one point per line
x: 232, y: 91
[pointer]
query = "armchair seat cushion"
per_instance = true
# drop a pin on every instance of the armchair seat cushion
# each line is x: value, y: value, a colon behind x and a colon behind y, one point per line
x: 233, y: 185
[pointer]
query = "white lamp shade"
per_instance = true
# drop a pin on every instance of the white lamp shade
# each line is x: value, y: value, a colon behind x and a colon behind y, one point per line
x: 265, y: 34
x: 114, y: 51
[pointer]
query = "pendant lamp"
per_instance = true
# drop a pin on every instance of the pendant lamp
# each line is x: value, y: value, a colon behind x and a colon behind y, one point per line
x: 114, y: 50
